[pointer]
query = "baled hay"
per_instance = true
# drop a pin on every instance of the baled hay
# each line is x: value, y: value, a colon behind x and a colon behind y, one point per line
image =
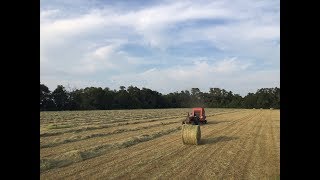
x: 191, y: 134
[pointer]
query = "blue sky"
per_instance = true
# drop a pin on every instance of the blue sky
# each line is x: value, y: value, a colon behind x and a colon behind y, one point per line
x: 162, y: 45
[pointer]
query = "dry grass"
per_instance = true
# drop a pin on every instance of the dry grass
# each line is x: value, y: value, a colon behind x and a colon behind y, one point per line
x: 79, y: 137
x: 58, y: 126
x: 76, y: 155
x: 144, y: 144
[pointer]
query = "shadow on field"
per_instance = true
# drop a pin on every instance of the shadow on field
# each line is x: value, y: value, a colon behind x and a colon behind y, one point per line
x: 216, y: 140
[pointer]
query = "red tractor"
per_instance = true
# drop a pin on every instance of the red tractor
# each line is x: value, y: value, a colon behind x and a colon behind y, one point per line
x: 196, y: 117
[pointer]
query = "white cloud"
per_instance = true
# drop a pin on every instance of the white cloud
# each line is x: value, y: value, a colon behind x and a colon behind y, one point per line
x: 87, y: 43
x: 44, y: 14
x: 202, y: 74
x: 104, y: 52
x: 60, y: 29
x: 229, y: 66
x: 185, y: 77
x: 70, y: 84
x: 150, y: 23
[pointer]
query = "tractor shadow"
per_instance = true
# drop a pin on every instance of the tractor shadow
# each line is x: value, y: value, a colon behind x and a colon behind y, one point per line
x: 216, y: 140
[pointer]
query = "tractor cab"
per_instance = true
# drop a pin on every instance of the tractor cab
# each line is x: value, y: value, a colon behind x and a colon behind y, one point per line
x: 200, y: 113
x: 197, y: 116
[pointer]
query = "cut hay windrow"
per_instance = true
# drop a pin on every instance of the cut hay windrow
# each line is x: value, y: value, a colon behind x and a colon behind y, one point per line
x: 73, y: 156
x: 95, y: 126
x: 191, y: 134
x: 80, y: 138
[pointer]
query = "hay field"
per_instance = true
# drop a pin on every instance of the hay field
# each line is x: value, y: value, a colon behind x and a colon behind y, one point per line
x: 147, y: 144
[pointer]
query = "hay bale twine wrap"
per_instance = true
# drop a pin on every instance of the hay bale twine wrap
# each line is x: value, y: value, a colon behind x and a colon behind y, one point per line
x: 191, y: 134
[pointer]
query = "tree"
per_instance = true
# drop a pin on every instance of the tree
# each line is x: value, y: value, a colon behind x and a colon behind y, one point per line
x: 276, y: 98
x: 44, y: 94
x: 122, y: 88
x: 132, y: 98
x: 195, y: 91
x: 250, y: 101
x: 135, y: 97
x: 60, y: 97
x: 236, y: 102
x: 121, y: 100
x: 46, y: 102
x: 75, y: 100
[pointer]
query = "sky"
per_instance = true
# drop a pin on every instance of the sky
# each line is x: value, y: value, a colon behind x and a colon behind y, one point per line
x: 166, y: 46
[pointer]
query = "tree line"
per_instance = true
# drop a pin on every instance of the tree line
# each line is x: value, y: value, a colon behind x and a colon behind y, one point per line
x: 97, y: 98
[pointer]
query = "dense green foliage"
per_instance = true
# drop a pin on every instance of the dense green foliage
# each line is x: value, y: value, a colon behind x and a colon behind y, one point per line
x: 134, y: 98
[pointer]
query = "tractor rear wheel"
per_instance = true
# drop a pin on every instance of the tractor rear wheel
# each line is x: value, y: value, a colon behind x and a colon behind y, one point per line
x: 196, y: 121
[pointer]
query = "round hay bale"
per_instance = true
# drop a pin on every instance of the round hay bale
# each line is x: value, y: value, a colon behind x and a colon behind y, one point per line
x: 191, y: 134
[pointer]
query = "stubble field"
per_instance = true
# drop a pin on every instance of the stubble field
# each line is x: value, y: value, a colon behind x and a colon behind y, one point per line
x: 146, y: 144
